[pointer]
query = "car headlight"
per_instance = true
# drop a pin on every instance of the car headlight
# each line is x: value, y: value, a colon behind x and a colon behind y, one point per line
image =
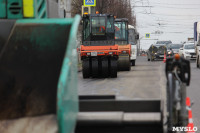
x: 169, y: 52
x: 88, y: 53
x: 110, y: 52
x: 155, y: 53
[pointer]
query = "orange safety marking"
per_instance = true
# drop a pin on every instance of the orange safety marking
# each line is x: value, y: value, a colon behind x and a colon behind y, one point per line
x: 188, y: 101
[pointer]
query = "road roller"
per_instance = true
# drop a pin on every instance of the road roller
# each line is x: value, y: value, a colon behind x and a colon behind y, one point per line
x: 98, y: 51
x: 121, y: 39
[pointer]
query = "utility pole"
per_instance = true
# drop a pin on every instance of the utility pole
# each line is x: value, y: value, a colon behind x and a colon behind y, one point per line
x: 139, y: 46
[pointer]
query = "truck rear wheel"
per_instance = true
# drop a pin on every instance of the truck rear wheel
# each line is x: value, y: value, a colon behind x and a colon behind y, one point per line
x: 95, y: 68
x: 86, y: 68
x: 105, y: 69
x: 113, y: 68
x: 123, y: 63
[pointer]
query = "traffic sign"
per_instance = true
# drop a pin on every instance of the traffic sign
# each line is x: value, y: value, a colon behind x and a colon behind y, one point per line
x: 147, y: 35
x: 89, y: 2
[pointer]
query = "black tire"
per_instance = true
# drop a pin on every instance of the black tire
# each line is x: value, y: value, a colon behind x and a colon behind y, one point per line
x: 105, y: 68
x: 113, y: 68
x: 123, y: 63
x: 86, y: 68
x: 133, y: 62
x: 95, y: 68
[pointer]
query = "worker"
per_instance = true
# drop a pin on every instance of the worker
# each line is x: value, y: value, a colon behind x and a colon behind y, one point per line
x: 117, y: 32
x: 102, y: 29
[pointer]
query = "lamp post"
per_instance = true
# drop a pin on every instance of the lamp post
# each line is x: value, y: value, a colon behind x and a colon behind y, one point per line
x: 139, y: 46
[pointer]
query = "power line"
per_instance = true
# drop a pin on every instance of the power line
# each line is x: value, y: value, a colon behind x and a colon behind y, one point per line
x: 169, y: 14
x: 152, y: 6
x: 176, y: 7
x: 179, y: 4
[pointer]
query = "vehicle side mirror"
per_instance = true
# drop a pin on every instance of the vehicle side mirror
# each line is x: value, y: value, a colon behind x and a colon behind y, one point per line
x: 137, y: 36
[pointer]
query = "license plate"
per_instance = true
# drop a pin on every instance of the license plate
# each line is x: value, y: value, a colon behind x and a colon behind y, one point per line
x: 161, y: 56
x: 93, y: 53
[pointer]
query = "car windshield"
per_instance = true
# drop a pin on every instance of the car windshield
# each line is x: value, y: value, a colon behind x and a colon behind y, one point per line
x: 190, y: 46
x: 158, y: 45
x: 163, y: 42
x: 176, y: 46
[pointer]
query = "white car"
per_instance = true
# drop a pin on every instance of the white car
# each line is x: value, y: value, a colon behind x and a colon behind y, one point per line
x: 188, y: 51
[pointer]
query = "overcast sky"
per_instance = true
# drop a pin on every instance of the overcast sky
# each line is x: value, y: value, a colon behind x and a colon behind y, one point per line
x: 173, y: 18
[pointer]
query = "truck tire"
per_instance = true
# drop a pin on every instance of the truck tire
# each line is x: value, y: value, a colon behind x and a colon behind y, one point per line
x: 113, y: 68
x: 86, y: 68
x: 133, y: 62
x: 95, y: 68
x: 105, y: 69
x: 123, y: 63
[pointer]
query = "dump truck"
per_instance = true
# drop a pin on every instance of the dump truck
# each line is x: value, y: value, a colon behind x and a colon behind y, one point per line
x: 133, y: 38
x: 121, y: 39
x: 98, y: 51
x: 38, y: 66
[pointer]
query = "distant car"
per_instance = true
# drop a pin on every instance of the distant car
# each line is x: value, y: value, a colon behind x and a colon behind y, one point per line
x: 156, y: 51
x: 175, y: 48
x: 188, y: 51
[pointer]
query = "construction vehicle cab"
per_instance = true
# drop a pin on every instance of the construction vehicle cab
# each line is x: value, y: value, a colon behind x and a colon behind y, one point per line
x: 121, y: 39
x: 98, y: 27
x: 98, y: 50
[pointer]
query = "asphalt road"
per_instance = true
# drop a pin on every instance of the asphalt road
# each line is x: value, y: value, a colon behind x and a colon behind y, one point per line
x: 146, y: 80
x: 193, y: 92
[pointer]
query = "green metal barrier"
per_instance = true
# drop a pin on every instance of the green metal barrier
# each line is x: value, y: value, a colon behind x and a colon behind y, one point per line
x: 18, y: 9
x: 38, y: 71
x: 3, y: 8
